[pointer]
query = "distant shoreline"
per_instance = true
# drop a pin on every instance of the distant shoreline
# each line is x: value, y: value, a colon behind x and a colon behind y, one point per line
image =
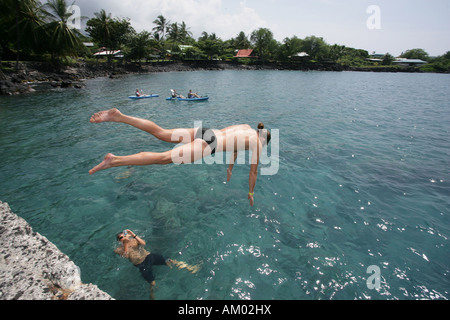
x: 13, y: 83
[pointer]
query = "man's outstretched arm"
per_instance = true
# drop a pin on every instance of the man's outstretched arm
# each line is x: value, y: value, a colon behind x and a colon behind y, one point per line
x: 230, y: 168
x: 252, y: 182
x: 254, y: 172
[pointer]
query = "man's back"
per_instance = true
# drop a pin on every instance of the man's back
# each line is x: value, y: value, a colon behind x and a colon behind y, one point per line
x: 236, y: 138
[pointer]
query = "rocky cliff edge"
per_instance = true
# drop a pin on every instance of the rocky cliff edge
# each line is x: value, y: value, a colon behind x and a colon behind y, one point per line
x: 33, y: 268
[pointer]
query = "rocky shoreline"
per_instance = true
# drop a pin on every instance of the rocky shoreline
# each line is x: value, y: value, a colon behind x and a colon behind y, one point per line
x: 31, y: 73
x: 33, y: 268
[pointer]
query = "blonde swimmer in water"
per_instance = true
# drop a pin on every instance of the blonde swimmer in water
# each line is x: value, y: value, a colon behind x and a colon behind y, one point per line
x: 132, y: 248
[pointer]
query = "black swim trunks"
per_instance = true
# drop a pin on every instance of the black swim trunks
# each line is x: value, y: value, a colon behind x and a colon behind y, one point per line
x: 209, y: 137
x: 146, y: 267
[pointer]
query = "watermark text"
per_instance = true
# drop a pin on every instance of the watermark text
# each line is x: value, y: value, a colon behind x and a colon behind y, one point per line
x: 374, y: 20
x: 374, y: 281
x: 74, y: 20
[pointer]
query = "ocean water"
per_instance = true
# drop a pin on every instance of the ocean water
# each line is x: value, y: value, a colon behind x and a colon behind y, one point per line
x: 363, y: 184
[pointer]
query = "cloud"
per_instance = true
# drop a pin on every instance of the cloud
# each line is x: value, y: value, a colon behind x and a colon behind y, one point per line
x: 199, y: 15
x: 337, y: 21
x: 209, y: 16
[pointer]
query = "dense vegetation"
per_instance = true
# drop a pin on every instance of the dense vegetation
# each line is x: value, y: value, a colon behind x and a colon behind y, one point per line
x: 30, y: 30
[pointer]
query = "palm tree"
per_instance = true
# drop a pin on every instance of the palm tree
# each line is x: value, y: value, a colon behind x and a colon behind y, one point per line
x: 241, y: 41
x: 213, y: 37
x: 262, y: 39
x: 174, y: 33
x: 205, y: 36
x: 32, y: 23
x: 162, y: 25
x: 22, y: 18
x: 184, y: 32
x: 63, y: 39
x: 17, y: 9
x: 336, y: 52
x: 104, y: 22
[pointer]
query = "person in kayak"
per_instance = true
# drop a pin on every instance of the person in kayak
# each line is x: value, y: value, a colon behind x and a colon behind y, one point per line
x: 195, y: 144
x: 192, y: 95
x: 176, y: 95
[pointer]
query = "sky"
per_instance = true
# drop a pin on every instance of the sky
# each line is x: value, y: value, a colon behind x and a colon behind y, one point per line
x: 379, y: 26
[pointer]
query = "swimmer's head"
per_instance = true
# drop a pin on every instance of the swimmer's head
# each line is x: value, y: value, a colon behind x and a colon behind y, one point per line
x: 264, y: 134
x: 120, y: 236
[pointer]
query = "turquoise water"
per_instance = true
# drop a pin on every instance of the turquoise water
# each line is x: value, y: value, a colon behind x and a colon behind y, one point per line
x: 363, y: 181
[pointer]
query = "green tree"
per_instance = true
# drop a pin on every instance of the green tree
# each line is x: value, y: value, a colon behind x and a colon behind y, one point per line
x: 438, y: 64
x: 415, y: 54
x: 173, y: 33
x: 387, y: 59
x: 179, y: 33
x: 241, y: 41
x: 336, y: 52
x: 63, y: 40
x: 206, y: 36
x: 185, y: 34
x: 316, y: 47
x: 121, y: 31
x: 100, y: 28
x: 290, y: 47
x: 162, y: 25
x: 139, y: 46
x: 228, y: 49
x: 210, y: 45
x: 109, y: 32
x: 193, y: 53
x: 21, y: 23
x: 263, y: 41
x: 354, y: 57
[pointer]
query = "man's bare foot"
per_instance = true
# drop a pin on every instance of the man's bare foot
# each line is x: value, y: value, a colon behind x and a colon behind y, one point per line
x: 106, y: 164
x: 106, y: 116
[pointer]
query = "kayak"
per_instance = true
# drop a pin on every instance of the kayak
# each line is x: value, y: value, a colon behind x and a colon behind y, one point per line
x: 144, y: 97
x: 191, y: 99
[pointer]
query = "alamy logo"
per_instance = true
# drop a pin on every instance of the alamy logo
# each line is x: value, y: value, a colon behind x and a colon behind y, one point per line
x: 374, y: 281
x: 74, y: 20
x: 374, y: 21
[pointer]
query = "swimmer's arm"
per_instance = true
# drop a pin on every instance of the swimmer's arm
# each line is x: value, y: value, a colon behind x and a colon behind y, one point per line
x: 230, y: 168
x: 138, y: 239
x: 252, y: 182
x: 253, y: 175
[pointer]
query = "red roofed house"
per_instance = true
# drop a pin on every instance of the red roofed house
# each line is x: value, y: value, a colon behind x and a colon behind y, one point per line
x: 245, y: 53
